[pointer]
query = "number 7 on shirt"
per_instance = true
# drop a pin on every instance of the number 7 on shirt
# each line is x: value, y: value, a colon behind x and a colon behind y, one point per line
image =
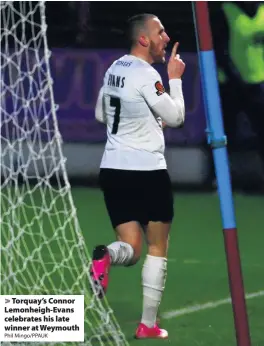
x: 115, y: 102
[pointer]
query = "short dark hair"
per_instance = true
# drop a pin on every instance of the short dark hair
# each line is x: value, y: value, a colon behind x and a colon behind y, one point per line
x: 135, y: 24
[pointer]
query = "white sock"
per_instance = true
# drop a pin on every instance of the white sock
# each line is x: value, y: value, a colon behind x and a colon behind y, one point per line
x: 153, y: 280
x: 120, y: 253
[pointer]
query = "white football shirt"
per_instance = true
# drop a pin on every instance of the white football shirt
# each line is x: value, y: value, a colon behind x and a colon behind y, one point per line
x: 133, y: 103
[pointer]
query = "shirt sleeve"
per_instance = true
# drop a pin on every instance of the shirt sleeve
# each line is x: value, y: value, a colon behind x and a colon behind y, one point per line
x: 170, y: 108
x: 151, y: 87
x: 99, y: 108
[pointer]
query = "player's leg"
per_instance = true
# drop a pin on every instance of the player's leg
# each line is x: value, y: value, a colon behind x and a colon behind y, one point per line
x: 153, y: 280
x: 122, y: 201
x: 155, y: 265
x: 126, y: 250
x: 121, y: 190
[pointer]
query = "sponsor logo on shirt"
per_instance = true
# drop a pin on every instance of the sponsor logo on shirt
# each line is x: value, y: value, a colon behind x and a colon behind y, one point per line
x: 160, y: 88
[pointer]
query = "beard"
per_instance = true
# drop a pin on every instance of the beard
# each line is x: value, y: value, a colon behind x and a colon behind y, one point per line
x: 156, y: 54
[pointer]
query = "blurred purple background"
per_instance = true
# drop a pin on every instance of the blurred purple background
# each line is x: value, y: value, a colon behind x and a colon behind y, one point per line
x: 78, y: 76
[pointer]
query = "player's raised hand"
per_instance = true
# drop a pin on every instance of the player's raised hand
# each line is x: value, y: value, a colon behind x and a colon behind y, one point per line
x: 175, y: 65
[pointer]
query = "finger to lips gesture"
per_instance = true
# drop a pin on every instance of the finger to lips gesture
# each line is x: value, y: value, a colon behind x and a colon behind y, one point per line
x: 175, y: 65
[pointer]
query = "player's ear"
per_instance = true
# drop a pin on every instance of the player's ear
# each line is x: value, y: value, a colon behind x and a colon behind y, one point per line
x: 143, y: 41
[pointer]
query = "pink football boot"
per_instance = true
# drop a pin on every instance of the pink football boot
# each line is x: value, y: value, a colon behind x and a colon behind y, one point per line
x: 144, y: 332
x: 100, y: 269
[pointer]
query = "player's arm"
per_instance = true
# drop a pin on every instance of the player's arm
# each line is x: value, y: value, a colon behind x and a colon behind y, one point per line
x: 99, y: 108
x: 170, y: 108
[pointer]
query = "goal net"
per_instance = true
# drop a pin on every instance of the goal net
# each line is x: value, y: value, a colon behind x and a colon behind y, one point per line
x: 42, y: 246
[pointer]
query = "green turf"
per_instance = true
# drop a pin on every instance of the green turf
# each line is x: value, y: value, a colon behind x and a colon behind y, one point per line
x: 196, y: 268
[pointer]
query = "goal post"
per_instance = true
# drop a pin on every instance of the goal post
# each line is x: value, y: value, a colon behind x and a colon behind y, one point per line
x: 218, y: 142
x: 42, y: 246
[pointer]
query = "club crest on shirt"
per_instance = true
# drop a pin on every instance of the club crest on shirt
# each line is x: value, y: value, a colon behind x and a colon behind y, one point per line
x: 160, y: 88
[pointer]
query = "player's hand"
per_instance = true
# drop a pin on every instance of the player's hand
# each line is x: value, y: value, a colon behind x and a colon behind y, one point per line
x: 176, y: 66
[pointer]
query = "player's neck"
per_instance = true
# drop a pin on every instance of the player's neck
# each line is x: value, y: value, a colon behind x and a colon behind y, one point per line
x: 146, y: 57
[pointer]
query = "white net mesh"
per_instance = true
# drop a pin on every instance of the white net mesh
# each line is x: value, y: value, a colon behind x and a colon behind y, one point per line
x: 42, y: 247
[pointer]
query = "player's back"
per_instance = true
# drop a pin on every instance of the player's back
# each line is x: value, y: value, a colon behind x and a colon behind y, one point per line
x: 134, y: 135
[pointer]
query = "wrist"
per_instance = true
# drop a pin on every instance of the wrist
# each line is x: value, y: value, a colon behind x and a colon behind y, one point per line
x: 174, y: 77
